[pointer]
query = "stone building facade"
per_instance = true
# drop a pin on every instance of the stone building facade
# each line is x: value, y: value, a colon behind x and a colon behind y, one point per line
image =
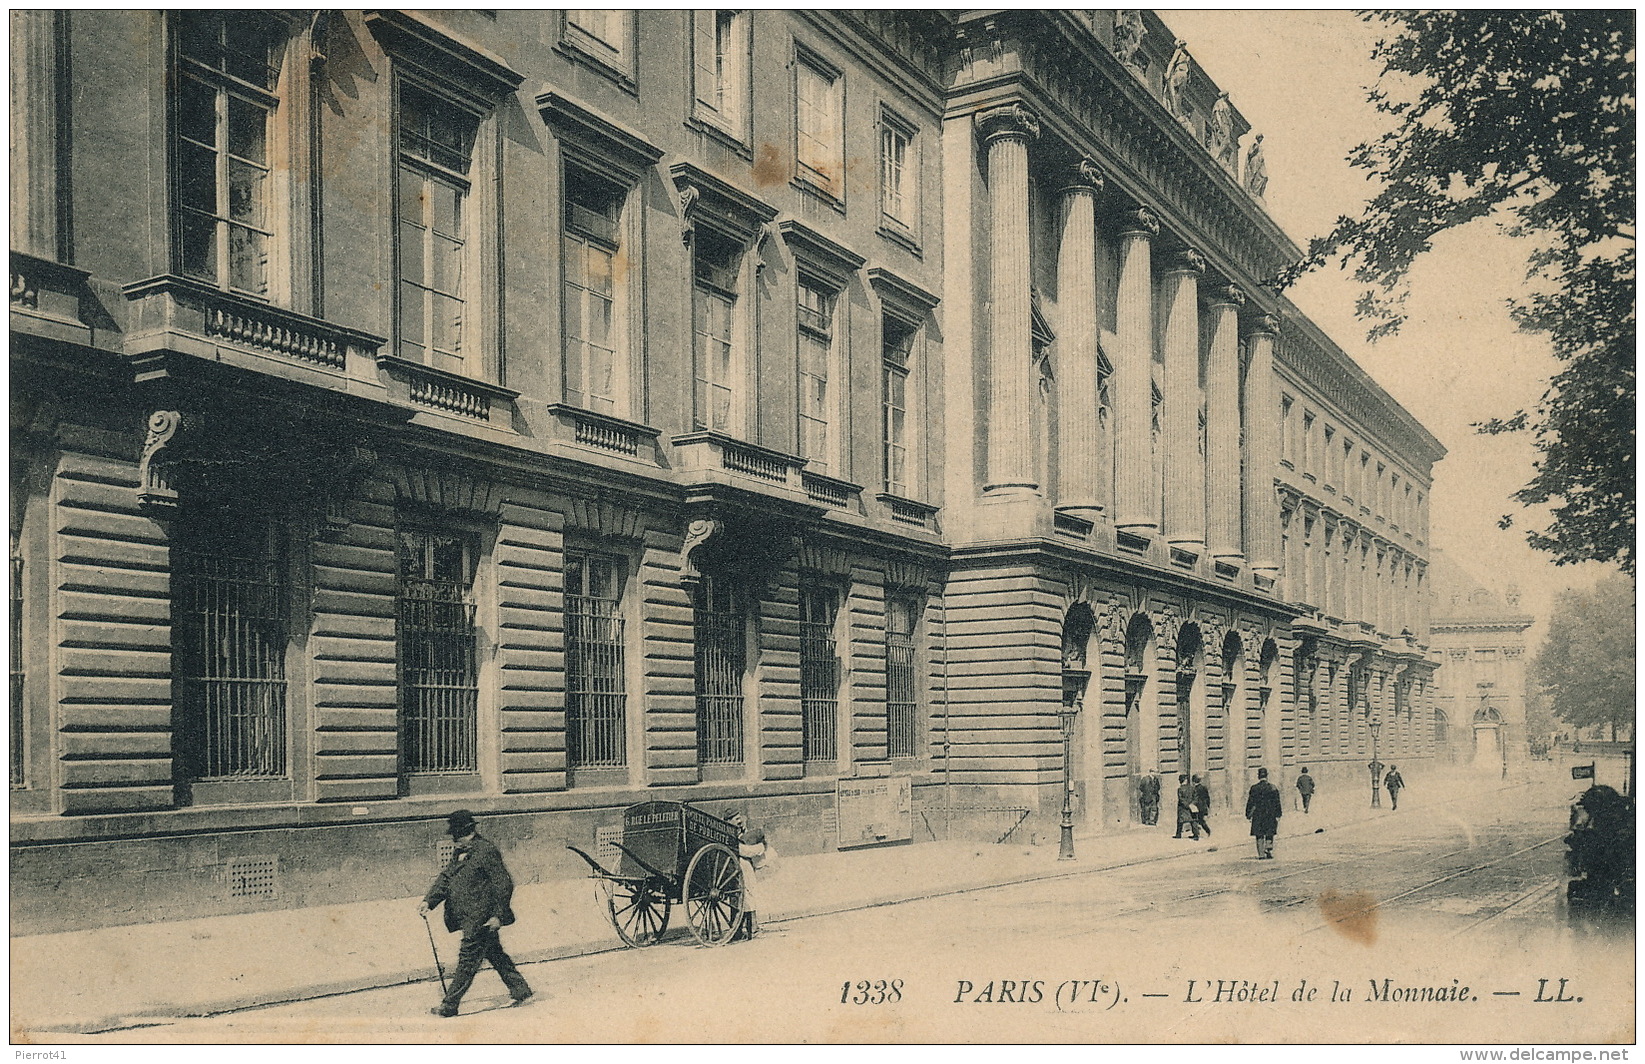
x: 1479, y: 634
x: 541, y: 412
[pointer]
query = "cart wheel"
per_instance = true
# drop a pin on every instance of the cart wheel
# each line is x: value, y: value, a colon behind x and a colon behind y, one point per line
x: 713, y: 894
x: 638, y: 910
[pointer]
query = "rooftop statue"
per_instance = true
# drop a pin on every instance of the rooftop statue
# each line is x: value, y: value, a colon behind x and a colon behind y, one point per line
x: 1128, y: 34
x: 1256, y: 169
x: 1175, y: 85
x: 1219, y: 132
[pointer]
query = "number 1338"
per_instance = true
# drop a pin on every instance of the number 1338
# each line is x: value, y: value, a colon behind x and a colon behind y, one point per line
x: 864, y: 992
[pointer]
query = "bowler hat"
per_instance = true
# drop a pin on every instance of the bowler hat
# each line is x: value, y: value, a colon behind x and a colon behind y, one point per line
x: 460, y: 823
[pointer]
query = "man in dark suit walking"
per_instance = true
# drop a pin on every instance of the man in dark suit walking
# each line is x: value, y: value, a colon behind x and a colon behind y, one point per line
x: 1263, y: 809
x: 476, y: 889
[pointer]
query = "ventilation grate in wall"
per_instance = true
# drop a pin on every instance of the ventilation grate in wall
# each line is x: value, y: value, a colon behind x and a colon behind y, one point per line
x: 252, y: 877
x: 443, y: 851
x: 605, y: 844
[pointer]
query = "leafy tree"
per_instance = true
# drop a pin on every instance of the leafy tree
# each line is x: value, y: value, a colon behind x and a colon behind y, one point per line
x: 1586, y: 665
x: 1527, y: 118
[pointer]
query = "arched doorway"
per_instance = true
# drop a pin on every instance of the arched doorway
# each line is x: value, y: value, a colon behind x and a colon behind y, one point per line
x: 1442, y: 737
x: 1080, y: 690
x: 1190, y: 700
x: 1235, y: 719
x: 1268, y: 748
x: 1139, y: 719
x: 1488, y: 739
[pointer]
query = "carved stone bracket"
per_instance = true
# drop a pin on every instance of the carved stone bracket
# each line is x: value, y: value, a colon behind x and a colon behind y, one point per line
x: 689, y: 195
x: 156, y: 484
x: 1231, y: 295
x: 1010, y: 120
x: 697, y: 533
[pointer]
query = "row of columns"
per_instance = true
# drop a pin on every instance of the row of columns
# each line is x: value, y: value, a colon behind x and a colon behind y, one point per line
x: 1191, y: 481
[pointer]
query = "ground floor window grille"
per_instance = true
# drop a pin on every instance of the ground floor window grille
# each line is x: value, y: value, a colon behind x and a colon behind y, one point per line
x: 722, y: 657
x: 230, y: 656
x: 819, y: 673
x: 901, y: 698
x: 439, y: 675
x: 595, y: 695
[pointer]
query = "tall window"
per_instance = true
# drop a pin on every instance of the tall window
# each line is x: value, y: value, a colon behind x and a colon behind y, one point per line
x: 720, y: 47
x: 896, y: 354
x: 596, y: 358
x: 717, y: 392
x: 439, y: 673
x: 1288, y: 447
x: 436, y: 150
x: 606, y: 36
x: 820, y: 134
x: 901, y: 693
x: 228, y: 73
x: 819, y: 672
x: 899, y: 173
x: 722, y: 659
x: 595, y: 694
x: 817, y: 403
x: 230, y: 636
x: 19, y: 678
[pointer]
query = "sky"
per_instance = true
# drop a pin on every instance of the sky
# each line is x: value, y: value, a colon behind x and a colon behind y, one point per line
x: 1300, y: 79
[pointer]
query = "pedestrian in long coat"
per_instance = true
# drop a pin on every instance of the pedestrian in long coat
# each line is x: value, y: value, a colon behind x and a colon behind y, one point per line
x: 1148, y: 798
x: 1263, y: 809
x: 1305, y: 787
x: 1202, y: 805
x: 476, y: 890
x: 1394, y: 783
x: 1187, y: 816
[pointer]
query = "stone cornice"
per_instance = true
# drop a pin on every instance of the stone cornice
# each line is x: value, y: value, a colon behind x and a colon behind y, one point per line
x: 1331, y: 373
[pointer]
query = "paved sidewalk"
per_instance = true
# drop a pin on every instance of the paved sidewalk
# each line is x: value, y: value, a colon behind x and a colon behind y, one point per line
x: 94, y: 980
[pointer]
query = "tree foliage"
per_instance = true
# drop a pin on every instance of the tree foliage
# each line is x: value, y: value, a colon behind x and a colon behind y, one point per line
x: 1586, y: 664
x: 1526, y: 118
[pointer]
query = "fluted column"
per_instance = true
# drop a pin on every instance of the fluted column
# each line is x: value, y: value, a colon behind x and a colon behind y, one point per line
x: 1262, y: 451
x: 1137, y: 505
x: 1222, y: 456
x: 1006, y: 131
x: 1184, y: 475
x: 1079, y: 446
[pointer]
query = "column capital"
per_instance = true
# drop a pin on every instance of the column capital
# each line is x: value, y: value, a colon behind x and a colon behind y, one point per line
x: 1084, y: 176
x: 1188, y: 260
x: 1142, y: 221
x: 1264, y: 325
x: 1008, y: 121
x: 1225, y: 295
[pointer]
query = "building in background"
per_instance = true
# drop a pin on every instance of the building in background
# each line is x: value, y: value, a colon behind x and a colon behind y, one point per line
x: 541, y: 412
x: 1480, y: 697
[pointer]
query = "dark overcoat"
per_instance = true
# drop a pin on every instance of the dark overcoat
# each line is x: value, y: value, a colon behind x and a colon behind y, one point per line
x: 1263, y: 809
x: 475, y: 886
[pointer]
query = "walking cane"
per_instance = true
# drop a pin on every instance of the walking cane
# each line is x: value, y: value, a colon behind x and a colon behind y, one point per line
x: 437, y: 965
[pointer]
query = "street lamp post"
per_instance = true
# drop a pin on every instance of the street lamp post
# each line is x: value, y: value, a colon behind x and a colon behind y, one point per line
x: 1073, y: 694
x: 1376, y: 764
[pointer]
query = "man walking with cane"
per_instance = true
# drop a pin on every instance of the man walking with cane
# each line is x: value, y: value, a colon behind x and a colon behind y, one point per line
x: 476, y: 889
